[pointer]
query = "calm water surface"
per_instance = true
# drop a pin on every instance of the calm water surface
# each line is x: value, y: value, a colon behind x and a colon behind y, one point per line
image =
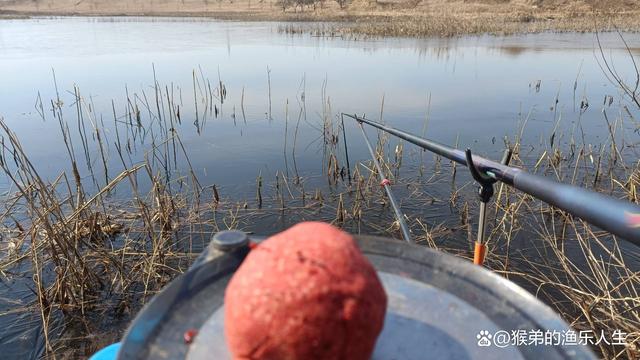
x: 480, y: 87
x: 477, y: 89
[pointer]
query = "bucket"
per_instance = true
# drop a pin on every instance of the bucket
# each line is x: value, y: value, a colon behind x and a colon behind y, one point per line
x: 439, y: 307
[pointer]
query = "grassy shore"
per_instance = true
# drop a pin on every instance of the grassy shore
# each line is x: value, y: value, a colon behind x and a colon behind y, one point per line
x: 369, y: 17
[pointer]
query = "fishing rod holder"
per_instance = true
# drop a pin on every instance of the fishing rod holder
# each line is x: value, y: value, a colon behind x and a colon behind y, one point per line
x: 386, y: 184
x: 485, y: 192
x: 486, y: 182
x: 618, y: 217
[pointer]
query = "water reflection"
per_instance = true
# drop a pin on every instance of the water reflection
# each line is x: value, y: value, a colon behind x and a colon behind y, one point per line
x: 479, y: 87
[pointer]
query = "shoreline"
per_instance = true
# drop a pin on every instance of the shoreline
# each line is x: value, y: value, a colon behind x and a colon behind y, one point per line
x: 364, y: 19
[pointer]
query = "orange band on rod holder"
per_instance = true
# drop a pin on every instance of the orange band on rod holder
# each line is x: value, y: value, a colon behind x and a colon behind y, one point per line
x: 479, y: 253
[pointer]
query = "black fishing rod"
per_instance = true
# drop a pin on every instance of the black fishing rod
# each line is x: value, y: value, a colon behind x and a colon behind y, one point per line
x: 620, y: 218
x: 384, y: 182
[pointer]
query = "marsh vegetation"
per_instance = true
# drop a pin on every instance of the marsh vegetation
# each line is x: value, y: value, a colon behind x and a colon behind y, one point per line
x: 417, y: 18
x: 119, y: 194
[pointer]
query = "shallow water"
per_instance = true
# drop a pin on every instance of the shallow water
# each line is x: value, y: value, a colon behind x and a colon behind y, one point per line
x: 480, y: 87
x: 476, y: 89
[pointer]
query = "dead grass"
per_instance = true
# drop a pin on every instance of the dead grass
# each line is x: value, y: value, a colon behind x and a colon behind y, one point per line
x: 94, y: 259
x: 371, y: 18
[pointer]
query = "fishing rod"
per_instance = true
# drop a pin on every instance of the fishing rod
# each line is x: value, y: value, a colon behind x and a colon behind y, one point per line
x: 384, y: 182
x: 618, y: 217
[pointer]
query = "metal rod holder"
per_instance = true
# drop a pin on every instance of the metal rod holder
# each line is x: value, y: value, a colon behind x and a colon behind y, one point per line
x: 386, y: 184
x: 619, y: 217
x: 485, y: 192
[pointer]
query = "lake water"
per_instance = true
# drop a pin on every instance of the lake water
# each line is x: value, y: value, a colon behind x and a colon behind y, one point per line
x: 474, y: 90
x: 480, y: 87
